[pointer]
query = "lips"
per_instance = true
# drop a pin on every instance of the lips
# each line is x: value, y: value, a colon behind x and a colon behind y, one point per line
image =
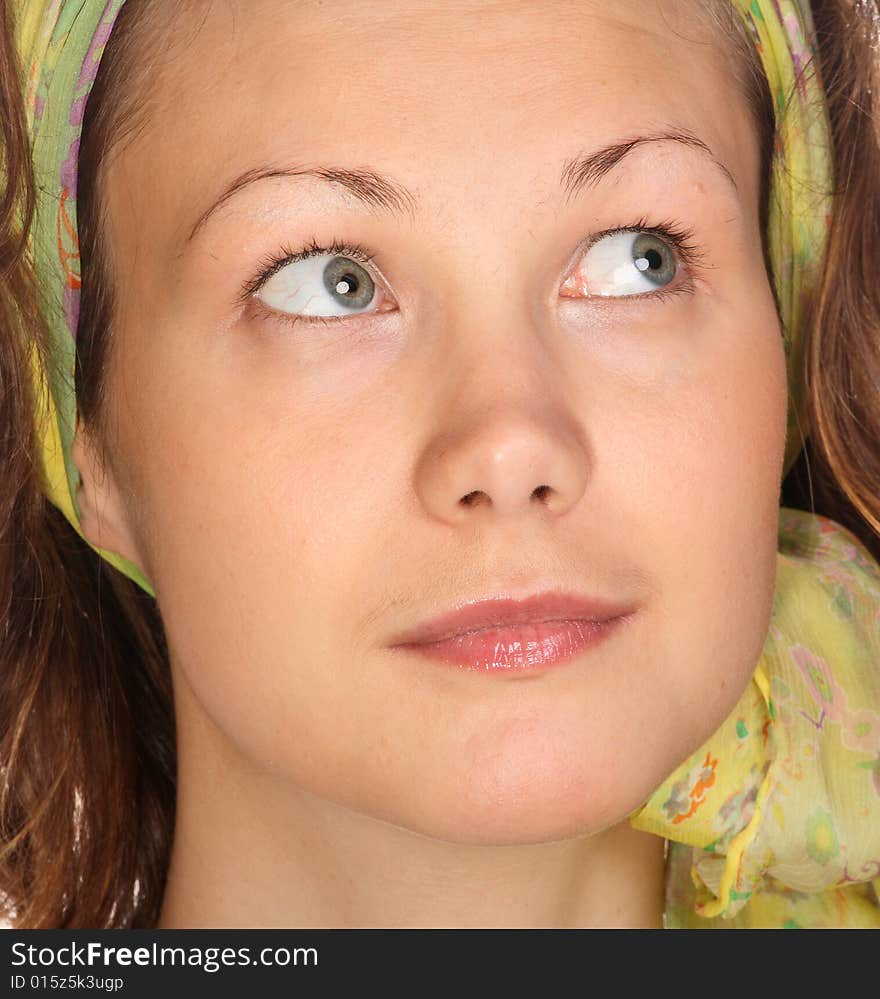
x: 507, y: 613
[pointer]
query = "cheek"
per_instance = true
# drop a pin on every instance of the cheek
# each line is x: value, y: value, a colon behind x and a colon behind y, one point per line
x: 714, y: 526
x: 264, y: 534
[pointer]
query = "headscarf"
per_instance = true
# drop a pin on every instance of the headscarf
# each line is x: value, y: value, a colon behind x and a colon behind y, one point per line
x: 801, y: 179
x: 782, y: 802
x: 788, y: 788
x: 60, y: 44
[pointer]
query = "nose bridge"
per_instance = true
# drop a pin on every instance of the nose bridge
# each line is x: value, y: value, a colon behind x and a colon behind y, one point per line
x: 492, y: 326
x: 500, y: 368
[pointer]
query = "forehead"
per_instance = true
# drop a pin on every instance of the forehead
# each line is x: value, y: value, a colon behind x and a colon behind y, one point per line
x: 455, y: 98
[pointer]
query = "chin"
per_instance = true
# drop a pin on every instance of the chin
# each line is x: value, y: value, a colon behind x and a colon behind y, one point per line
x: 547, y: 799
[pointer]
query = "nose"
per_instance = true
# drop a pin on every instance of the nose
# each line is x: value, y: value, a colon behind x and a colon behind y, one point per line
x: 506, y: 442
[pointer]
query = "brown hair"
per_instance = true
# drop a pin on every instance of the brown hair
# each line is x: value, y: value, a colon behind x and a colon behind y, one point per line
x: 87, y: 744
x: 86, y: 712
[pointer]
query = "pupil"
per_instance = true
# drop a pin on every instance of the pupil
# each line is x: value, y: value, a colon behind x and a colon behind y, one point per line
x: 654, y: 259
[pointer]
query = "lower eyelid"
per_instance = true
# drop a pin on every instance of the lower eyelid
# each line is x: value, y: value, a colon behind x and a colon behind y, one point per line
x: 687, y: 285
x: 266, y: 313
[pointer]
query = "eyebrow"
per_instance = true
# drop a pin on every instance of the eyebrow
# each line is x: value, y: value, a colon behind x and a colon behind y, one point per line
x: 587, y: 170
x: 379, y: 191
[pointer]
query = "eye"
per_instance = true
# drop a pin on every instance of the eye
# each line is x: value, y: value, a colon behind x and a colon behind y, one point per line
x: 317, y: 284
x: 633, y: 261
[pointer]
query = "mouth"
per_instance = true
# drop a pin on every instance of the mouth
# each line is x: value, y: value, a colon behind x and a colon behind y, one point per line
x: 516, y: 635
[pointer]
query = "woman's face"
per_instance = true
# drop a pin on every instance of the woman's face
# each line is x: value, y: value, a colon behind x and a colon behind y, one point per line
x: 296, y: 492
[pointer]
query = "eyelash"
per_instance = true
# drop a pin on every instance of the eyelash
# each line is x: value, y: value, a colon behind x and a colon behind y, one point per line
x: 680, y: 237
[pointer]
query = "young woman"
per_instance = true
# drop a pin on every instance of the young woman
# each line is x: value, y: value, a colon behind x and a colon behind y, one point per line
x: 422, y: 378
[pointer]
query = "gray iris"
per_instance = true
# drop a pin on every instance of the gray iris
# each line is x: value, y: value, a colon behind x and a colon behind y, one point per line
x: 661, y: 262
x: 357, y: 292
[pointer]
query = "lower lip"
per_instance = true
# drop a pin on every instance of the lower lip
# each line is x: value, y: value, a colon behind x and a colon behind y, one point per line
x: 520, y: 648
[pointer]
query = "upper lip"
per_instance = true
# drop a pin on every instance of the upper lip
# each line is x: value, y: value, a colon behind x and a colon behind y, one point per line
x: 509, y: 612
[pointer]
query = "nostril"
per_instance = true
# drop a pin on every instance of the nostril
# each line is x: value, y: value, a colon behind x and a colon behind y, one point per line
x: 472, y: 498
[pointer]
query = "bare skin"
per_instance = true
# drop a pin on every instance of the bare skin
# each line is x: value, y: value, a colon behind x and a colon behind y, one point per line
x: 295, y: 492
